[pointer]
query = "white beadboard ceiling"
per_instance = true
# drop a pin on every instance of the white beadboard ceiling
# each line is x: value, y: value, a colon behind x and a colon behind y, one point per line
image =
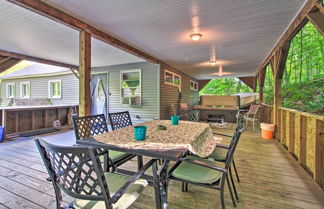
x: 26, y: 32
x: 241, y: 33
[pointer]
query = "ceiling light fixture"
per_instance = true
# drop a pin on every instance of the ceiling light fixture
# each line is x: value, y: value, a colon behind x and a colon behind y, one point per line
x: 212, y: 62
x: 220, y: 70
x: 196, y: 36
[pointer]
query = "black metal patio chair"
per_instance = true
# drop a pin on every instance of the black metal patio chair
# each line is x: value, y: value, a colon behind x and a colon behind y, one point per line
x: 221, y: 150
x: 120, y: 120
x: 77, y: 171
x: 206, y: 172
x: 89, y: 126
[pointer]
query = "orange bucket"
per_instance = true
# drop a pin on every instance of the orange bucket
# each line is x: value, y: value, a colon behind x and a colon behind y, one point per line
x: 267, y: 134
x: 267, y: 130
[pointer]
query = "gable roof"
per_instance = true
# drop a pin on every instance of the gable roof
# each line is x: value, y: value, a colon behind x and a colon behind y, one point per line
x: 36, y: 70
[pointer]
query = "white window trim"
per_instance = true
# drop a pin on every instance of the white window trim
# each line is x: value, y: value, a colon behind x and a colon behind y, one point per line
x: 14, y: 93
x: 49, y: 89
x: 21, y: 90
x: 193, y: 87
x: 173, y: 74
x: 121, y: 86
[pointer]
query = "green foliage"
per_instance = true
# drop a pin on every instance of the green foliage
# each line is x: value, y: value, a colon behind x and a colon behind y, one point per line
x: 268, y: 86
x: 225, y: 86
x: 303, y: 80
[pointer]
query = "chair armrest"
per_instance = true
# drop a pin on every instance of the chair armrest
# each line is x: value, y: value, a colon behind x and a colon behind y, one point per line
x: 204, y: 164
x: 226, y: 135
x: 131, y: 181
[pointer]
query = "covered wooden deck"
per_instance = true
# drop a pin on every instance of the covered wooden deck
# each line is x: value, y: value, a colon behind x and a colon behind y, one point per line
x: 270, y: 178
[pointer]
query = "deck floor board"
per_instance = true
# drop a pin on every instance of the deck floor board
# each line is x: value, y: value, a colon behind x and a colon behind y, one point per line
x: 270, y: 178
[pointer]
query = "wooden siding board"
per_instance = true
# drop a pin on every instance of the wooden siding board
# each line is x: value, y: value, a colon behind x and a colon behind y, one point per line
x: 150, y: 93
x: 169, y: 93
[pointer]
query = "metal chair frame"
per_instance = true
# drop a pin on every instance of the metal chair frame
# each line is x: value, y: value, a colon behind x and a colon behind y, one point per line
x: 88, y: 126
x: 240, y: 126
x: 220, y: 184
x: 254, y: 115
x: 77, y: 171
x: 120, y: 120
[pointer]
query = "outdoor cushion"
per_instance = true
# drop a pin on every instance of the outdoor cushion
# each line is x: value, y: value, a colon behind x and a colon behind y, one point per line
x: 219, y: 154
x: 114, y: 155
x: 115, y: 182
x: 197, y: 173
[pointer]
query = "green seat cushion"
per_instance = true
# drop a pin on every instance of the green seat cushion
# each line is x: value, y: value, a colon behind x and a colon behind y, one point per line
x: 219, y: 154
x: 197, y: 173
x: 115, y: 181
x: 114, y: 155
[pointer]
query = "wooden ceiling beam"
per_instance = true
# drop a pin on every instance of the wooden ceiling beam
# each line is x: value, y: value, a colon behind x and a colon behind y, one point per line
x: 298, y: 23
x: 58, y: 15
x: 8, y: 64
x: 4, y: 60
x: 249, y: 81
x: 35, y: 59
x: 202, y: 83
x: 317, y: 18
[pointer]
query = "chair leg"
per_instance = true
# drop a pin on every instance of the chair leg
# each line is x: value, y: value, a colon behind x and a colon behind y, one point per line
x: 234, y: 187
x: 186, y: 187
x: 253, y: 126
x: 230, y: 190
x: 236, y: 173
x: 139, y: 161
x: 222, y: 198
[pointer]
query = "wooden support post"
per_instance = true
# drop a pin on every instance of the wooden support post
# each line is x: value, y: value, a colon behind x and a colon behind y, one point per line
x: 84, y: 74
x: 277, y: 100
x: 261, y: 77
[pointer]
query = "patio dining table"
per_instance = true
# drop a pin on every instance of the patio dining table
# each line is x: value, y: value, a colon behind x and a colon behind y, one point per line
x: 169, y: 145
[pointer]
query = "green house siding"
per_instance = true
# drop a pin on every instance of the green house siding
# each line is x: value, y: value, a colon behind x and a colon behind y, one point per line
x: 150, y: 90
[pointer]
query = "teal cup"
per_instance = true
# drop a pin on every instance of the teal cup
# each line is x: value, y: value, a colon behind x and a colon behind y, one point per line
x: 175, y: 120
x: 139, y: 133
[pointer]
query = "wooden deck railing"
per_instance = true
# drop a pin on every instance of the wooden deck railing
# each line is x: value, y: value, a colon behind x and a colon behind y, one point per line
x: 302, y: 134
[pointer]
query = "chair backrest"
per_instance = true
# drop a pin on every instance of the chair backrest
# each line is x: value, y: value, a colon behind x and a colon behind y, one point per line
x: 89, y: 126
x: 75, y: 170
x: 253, y: 109
x: 120, y: 120
x: 235, y: 139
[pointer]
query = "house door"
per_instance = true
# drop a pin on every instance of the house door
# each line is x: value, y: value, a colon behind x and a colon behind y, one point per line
x: 99, y: 94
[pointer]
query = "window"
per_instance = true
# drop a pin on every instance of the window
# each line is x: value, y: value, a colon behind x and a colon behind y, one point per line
x: 172, y: 78
x: 25, y: 90
x: 193, y: 85
x: 131, y: 87
x: 10, y: 90
x: 54, y: 89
